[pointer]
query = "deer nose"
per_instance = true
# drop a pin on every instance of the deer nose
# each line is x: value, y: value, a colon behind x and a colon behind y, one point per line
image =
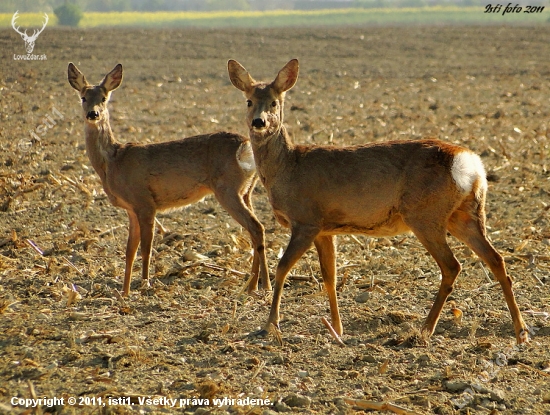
x: 258, y: 123
x: 92, y: 115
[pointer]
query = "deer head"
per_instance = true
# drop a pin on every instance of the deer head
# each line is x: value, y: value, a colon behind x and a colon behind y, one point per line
x: 29, y: 40
x: 95, y: 97
x: 265, y: 101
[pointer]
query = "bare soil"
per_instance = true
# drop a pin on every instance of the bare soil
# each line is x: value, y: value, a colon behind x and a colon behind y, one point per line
x: 187, y: 337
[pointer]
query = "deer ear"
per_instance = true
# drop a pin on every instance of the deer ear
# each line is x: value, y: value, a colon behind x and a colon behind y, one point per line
x: 113, y: 79
x: 287, y: 77
x: 76, y: 78
x: 239, y: 76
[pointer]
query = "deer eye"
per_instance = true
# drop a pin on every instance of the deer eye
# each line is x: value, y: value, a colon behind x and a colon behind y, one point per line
x: 83, y: 99
x: 274, y: 104
x: 248, y: 103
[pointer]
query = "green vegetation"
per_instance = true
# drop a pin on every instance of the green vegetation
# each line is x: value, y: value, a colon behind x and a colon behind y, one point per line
x: 68, y: 15
x: 282, y: 18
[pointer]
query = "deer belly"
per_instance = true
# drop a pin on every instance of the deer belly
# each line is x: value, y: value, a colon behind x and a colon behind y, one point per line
x: 390, y: 225
x: 173, y: 199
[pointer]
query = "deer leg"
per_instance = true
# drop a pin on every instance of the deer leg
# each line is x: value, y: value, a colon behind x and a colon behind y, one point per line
x: 327, y: 259
x: 131, y: 249
x: 236, y: 206
x: 434, y: 240
x: 470, y: 230
x: 146, y: 225
x: 300, y: 241
x: 253, y: 285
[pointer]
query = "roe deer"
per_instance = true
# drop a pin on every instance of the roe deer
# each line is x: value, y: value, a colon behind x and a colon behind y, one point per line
x: 427, y: 186
x: 144, y: 179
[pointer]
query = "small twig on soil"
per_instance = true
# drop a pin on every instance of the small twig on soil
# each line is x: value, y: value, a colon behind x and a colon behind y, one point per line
x: 258, y: 369
x: 537, y: 313
x: 384, y: 367
x: 356, y: 240
x: 34, y: 246
x: 485, y: 273
x: 312, y: 274
x: 77, y: 184
x: 119, y: 297
x: 94, y: 336
x: 55, y: 179
x: 340, y: 268
x: 110, y: 230
x: 70, y: 264
x: 487, y: 286
x: 333, y: 332
x: 28, y: 190
x: 162, y: 229
x: 530, y: 257
x: 275, y: 331
x: 537, y: 279
x: 218, y: 268
x: 534, y: 369
x: 32, y: 391
x: 343, y: 281
x: 379, y: 406
x: 300, y: 278
x: 234, y: 312
x: 168, y: 238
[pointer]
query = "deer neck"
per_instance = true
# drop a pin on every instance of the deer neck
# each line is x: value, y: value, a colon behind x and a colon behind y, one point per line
x: 101, y: 145
x: 272, y: 154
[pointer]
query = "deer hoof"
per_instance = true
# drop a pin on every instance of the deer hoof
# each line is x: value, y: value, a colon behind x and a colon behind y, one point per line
x: 259, y: 333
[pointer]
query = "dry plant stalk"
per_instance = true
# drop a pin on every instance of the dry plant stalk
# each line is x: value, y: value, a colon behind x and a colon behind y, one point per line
x: 384, y: 367
x: 72, y: 296
x: 161, y: 228
x: 275, y: 331
x: 33, y: 245
x: 333, y: 332
x: 457, y: 314
x: 70, y: 264
x: 258, y: 369
x: 533, y: 369
x: 379, y: 406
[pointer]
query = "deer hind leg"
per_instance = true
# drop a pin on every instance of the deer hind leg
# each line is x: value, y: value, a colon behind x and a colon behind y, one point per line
x: 257, y: 261
x: 240, y: 209
x: 146, y: 219
x: 327, y: 258
x: 468, y: 225
x: 301, y: 239
x: 131, y: 249
x: 433, y: 237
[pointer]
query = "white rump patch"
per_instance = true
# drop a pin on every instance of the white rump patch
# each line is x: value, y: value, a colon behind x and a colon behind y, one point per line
x: 467, y: 169
x: 245, y: 157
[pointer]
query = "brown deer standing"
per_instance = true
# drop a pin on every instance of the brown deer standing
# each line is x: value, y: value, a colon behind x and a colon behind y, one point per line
x: 427, y: 186
x: 144, y: 179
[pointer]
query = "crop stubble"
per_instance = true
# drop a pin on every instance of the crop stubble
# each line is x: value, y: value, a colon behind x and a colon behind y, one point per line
x: 486, y: 88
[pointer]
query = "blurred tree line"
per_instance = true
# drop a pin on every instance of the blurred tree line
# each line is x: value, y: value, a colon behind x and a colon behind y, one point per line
x: 10, y: 6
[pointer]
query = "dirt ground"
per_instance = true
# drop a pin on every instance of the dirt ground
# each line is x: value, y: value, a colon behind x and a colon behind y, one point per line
x: 187, y: 338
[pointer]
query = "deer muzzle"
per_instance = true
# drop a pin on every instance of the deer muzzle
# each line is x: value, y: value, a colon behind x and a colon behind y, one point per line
x: 92, y: 115
x: 258, y: 123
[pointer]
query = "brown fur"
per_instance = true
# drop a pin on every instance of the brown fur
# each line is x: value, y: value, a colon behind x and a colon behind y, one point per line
x: 381, y: 189
x: 144, y: 179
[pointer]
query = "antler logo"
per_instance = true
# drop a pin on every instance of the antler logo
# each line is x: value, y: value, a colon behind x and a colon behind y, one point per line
x: 29, y: 40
